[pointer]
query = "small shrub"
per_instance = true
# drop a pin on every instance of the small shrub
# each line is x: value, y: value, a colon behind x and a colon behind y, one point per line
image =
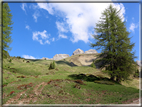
x: 18, y: 57
x: 28, y: 62
x: 93, y: 65
x: 23, y: 60
x: 10, y: 60
x: 136, y: 75
x: 52, y: 65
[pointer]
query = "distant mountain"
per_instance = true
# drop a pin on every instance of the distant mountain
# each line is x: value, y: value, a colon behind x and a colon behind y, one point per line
x: 77, y: 51
x: 91, y: 51
x: 60, y: 56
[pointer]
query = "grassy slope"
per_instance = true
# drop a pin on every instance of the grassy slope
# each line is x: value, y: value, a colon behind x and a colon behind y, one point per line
x: 60, y: 91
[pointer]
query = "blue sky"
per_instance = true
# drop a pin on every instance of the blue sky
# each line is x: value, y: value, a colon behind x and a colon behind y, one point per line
x: 45, y: 29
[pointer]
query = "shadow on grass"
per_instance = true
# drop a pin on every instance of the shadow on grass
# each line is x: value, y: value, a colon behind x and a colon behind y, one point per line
x: 90, y: 78
x: 66, y: 62
x: 33, y: 60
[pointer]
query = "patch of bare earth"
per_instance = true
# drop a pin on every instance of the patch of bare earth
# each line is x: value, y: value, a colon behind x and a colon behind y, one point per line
x: 132, y: 101
x: 25, y: 100
x: 15, y: 98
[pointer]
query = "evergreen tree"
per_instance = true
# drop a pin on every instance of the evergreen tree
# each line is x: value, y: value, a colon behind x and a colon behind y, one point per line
x: 116, y: 48
x: 6, y: 27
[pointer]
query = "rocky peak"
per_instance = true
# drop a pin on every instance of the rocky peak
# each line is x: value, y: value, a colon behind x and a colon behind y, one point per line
x: 60, y: 56
x: 78, y: 51
x: 91, y: 51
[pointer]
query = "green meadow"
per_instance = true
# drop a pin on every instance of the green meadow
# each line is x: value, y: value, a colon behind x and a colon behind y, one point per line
x: 34, y: 83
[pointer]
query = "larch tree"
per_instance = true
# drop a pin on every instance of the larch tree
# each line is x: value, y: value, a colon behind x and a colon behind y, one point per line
x: 112, y: 38
x: 6, y: 29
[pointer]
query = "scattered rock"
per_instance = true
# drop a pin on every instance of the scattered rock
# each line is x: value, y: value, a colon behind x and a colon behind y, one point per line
x: 78, y: 51
x: 91, y: 51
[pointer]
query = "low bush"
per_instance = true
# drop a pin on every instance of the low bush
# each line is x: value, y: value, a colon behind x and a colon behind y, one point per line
x: 10, y: 60
x: 93, y: 65
x: 18, y: 57
x: 52, y: 65
x: 136, y: 74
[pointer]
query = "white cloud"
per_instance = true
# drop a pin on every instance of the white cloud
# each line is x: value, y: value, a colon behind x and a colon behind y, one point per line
x: 61, y: 27
x: 47, y: 41
x: 33, y: 6
x: 43, y: 35
x: 27, y: 27
x: 53, y: 39
x: 36, y: 15
x: 23, y: 6
x: 46, y: 6
x: 62, y: 36
x: 28, y: 57
x: 132, y: 27
x: 80, y: 17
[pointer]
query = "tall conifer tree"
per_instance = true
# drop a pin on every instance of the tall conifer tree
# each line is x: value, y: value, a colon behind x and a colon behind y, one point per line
x: 7, y: 22
x: 116, y: 48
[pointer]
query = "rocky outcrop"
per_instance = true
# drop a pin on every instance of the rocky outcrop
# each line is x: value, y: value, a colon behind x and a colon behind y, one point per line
x: 78, y: 51
x: 60, y: 56
x: 91, y: 51
x: 45, y: 58
x: 139, y: 63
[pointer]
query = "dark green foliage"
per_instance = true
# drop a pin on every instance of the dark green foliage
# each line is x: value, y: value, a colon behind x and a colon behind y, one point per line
x: 23, y: 60
x: 52, y: 65
x: 10, y: 60
x: 116, y: 48
x: 93, y: 65
x: 18, y: 57
x: 136, y: 75
x: 6, y: 40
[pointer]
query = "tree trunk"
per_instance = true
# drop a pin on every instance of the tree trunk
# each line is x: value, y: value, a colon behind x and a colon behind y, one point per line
x: 112, y: 78
x: 118, y: 79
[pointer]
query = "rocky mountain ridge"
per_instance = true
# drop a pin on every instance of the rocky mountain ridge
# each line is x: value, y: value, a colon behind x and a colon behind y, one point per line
x: 77, y: 51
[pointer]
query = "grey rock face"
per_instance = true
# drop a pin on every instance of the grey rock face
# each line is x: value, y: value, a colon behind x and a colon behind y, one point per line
x: 78, y: 51
x: 60, y: 56
x: 139, y: 63
x: 91, y: 51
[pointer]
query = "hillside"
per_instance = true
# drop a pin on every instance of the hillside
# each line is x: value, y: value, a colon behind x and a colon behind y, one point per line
x: 34, y: 83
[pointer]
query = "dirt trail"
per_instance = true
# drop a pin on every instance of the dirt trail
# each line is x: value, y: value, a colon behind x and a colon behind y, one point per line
x: 137, y: 101
x: 31, y: 96
x: 37, y: 92
x: 14, y: 99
